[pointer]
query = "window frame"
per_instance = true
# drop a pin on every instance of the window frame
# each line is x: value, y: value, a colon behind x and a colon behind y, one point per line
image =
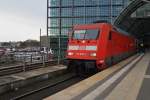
x: 72, y: 37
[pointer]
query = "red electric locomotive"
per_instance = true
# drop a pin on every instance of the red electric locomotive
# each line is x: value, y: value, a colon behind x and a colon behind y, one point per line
x: 98, y: 46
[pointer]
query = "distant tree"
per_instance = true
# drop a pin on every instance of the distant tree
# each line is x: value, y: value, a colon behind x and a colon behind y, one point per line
x: 6, y: 44
x: 23, y: 45
x: 30, y: 43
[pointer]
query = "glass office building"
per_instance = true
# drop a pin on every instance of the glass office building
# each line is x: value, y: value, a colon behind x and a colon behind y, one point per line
x: 63, y: 14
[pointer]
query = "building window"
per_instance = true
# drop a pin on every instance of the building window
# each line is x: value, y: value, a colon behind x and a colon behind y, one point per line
x: 54, y: 12
x: 66, y: 22
x: 91, y: 20
x: 116, y: 10
x: 117, y: 2
x: 79, y: 2
x: 105, y: 18
x: 78, y: 21
x: 65, y: 32
x: 54, y: 3
x: 53, y: 32
x: 92, y: 2
x: 79, y: 11
x: 91, y: 11
x: 105, y: 2
x: 64, y: 42
x: 105, y: 11
x: 66, y: 2
x: 54, y: 22
x: 66, y: 12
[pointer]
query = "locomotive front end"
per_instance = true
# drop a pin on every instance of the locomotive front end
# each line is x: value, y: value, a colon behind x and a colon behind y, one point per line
x: 83, y: 48
x: 83, y: 44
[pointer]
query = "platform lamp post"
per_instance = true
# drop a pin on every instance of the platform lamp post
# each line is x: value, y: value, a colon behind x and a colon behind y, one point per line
x: 42, y: 54
x: 40, y: 46
x: 40, y: 38
x: 47, y: 26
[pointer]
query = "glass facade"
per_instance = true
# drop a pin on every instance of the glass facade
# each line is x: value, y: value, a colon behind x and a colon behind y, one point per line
x: 63, y: 14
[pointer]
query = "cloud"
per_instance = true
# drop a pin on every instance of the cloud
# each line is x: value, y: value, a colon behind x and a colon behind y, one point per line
x: 20, y: 23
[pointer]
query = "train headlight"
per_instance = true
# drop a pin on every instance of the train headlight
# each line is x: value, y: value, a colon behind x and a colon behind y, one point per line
x: 93, y: 54
x: 70, y: 53
x: 101, y: 61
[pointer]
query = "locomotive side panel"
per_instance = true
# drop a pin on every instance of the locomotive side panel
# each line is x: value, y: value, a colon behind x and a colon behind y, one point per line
x: 102, y: 47
x: 119, y: 47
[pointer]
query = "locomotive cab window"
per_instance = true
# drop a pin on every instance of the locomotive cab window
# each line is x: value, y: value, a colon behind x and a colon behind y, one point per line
x: 86, y: 34
x: 79, y: 34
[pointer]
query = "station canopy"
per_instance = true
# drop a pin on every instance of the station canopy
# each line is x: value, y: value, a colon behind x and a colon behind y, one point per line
x: 135, y: 19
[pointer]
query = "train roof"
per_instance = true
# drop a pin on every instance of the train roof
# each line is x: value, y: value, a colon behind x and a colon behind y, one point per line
x: 91, y: 25
x: 98, y: 25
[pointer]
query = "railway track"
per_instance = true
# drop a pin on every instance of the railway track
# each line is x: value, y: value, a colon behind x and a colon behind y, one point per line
x: 43, y: 89
x: 21, y: 68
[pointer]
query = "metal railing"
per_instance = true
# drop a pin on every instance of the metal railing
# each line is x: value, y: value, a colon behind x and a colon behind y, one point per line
x: 24, y: 61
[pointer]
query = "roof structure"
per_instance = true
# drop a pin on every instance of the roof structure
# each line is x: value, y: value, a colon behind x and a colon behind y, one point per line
x: 137, y: 26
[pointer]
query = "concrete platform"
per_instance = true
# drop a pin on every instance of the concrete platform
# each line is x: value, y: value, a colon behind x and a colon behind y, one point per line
x: 18, y: 80
x: 119, y: 82
x: 132, y: 87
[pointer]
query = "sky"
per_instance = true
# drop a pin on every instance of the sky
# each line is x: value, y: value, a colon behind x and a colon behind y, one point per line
x: 22, y: 19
